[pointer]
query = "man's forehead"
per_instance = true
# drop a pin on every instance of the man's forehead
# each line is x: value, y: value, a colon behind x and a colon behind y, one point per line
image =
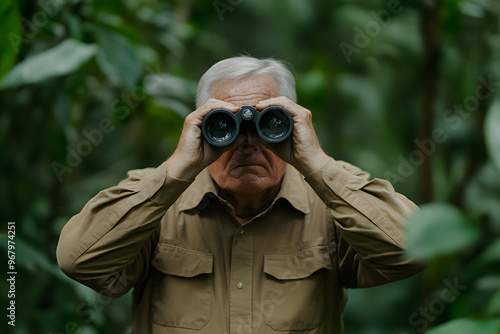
x: 246, y: 91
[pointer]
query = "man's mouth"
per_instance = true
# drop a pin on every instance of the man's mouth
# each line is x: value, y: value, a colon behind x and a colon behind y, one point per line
x: 249, y: 165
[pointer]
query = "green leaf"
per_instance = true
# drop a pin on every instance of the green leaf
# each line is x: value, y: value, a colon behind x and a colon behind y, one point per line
x: 492, y: 132
x: 467, y: 326
x: 117, y: 58
x: 62, y: 59
x: 10, y: 26
x: 178, y: 107
x: 167, y: 85
x: 490, y: 254
x: 488, y: 282
x: 439, y: 229
x: 494, y: 305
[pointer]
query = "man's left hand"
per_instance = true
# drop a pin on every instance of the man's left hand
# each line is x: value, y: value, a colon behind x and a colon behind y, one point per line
x: 302, y: 150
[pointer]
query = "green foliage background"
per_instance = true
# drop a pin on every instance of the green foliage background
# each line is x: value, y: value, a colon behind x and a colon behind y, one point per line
x: 396, y: 88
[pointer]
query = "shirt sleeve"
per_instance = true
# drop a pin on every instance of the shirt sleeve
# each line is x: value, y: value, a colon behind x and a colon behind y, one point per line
x: 107, y: 245
x: 369, y: 219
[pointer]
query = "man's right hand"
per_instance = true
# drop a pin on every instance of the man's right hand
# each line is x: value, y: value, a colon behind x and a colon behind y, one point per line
x: 193, y: 153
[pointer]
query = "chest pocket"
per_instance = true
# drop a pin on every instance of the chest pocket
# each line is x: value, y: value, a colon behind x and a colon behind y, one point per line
x: 182, y: 287
x: 295, y: 289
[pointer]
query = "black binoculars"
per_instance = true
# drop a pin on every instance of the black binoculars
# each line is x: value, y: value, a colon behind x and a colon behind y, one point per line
x: 221, y: 127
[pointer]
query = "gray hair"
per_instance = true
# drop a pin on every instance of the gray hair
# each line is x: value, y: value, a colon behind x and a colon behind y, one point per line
x: 243, y: 67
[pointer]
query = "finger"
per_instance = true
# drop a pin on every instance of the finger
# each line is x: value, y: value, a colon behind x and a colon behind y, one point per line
x: 213, y: 104
x: 220, y: 104
x: 280, y: 101
x: 293, y: 108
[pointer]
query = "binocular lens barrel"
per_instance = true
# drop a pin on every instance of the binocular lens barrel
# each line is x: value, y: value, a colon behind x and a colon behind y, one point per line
x: 273, y: 125
x: 221, y: 127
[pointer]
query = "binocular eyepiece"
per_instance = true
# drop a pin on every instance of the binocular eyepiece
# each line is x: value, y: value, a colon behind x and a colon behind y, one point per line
x: 221, y: 127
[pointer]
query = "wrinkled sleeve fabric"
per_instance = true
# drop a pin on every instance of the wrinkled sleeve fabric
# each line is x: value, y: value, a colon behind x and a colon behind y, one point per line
x: 369, y: 219
x: 107, y: 245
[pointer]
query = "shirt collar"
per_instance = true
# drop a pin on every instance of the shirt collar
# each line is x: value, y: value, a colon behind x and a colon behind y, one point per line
x: 293, y: 189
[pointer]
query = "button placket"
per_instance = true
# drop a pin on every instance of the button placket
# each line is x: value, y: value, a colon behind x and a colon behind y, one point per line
x: 240, y: 294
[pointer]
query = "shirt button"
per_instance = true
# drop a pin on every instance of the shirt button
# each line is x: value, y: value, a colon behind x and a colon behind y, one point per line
x: 242, y: 231
x: 239, y: 285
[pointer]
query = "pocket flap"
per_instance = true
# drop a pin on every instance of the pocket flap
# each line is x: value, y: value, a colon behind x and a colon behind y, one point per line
x: 178, y: 261
x: 298, y: 265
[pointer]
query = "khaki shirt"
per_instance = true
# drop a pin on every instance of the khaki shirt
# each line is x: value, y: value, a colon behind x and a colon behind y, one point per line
x: 195, y: 269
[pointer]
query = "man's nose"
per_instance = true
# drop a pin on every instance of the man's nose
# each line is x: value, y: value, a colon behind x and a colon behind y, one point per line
x: 251, y: 141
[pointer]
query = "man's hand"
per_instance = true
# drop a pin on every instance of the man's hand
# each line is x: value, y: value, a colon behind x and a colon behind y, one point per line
x: 193, y: 153
x: 302, y: 150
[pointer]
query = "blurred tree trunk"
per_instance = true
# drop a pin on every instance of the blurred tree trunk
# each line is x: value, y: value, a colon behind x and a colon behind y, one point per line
x: 429, y: 25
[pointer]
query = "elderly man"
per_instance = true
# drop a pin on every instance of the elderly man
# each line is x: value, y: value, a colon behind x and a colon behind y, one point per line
x: 249, y: 238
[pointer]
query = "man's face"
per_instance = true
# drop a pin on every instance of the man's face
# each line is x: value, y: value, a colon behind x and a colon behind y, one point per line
x: 250, y: 168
